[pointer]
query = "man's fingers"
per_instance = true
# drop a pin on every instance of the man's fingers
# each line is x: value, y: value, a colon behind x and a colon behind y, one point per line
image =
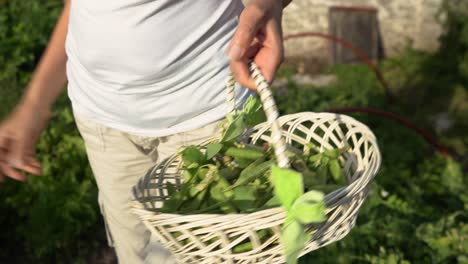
x: 4, y: 141
x: 23, y: 158
x: 32, y: 166
x: 268, y: 61
x: 28, y: 164
x: 240, y: 69
x: 267, y: 52
x: 33, y: 162
x: 271, y: 55
x: 20, y: 151
x: 274, y: 53
x: 12, y: 173
x: 253, y: 50
x: 241, y: 73
x: 3, y: 154
x: 250, y: 21
x: 19, y: 155
x: 32, y: 169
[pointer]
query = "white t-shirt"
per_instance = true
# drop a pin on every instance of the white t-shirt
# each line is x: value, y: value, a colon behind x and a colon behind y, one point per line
x: 151, y: 67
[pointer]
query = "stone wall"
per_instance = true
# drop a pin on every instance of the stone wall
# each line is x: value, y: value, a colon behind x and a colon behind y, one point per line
x: 403, y: 24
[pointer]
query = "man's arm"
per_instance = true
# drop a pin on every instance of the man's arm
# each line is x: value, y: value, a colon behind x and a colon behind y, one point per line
x: 49, y: 78
x: 22, y: 128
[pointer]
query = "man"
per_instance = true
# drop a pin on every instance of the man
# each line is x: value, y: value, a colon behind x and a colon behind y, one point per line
x: 144, y: 77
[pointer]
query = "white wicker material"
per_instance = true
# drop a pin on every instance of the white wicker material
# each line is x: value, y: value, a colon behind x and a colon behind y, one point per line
x: 210, y: 238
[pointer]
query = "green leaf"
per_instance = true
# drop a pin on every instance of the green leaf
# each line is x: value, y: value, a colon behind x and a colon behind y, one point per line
x: 244, y: 153
x: 217, y: 193
x: 273, y: 202
x: 235, y: 129
x: 252, y: 104
x: 224, y: 185
x: 322, y: 173
x: 287, y: 184
x: 213, y: 149
x: 202, y: 173
x: 244, y: 247
x: 207, y: 176
x: 311, y: 197
x: 230, y: 118
x: 316, y: 159
x: 229, y: 173
x: 220, y: 189
x: 171, y: 189
x: 311, y: 180
x: 254, y: 170
x: 245, y: 174
x: 244, y: 197
x: 191, y: 155
x: 193, y: 165
x: 170, y: 205
x: 332, y: 153
x: 253, y: 111
x: 256, y: 118
x: 335, y: 169
x: 325, y: 161
x: 243, y: 163
x: 311, y: 146
x: 188, y: 175
x: 294, y: 239
x: 247, y: 246
x: 308, y: 212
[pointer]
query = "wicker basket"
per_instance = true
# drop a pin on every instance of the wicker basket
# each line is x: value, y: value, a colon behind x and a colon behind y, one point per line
x: 210, y: 238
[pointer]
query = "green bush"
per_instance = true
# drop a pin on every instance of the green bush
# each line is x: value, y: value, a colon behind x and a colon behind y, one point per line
x: 25, y: 27
x: 417, y: 211
x: 53, y: 218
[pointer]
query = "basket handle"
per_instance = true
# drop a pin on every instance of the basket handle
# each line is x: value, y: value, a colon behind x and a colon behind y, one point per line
x: 269, y: 106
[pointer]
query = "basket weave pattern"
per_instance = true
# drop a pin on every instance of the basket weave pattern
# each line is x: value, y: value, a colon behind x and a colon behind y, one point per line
x: 210, y: 238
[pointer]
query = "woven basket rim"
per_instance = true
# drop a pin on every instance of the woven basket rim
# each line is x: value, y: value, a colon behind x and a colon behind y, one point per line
x: 337, y: 224
x: 328, y: 196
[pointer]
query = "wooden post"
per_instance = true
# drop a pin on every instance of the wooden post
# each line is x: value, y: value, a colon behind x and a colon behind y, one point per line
x: 358, y: 26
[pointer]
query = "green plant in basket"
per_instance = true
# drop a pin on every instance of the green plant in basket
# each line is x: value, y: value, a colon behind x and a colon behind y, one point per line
x: 232, y: 176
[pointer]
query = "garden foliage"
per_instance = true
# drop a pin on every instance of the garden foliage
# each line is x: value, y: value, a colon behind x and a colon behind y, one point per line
x: 53, y: 218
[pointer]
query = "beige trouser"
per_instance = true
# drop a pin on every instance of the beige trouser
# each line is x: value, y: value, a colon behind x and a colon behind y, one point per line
x: 118, y: 160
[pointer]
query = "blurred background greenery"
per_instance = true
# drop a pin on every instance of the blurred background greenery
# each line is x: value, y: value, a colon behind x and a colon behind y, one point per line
x: 416, y: 212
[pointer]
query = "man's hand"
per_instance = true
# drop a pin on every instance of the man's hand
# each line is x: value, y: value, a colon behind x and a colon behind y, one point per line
x: 20, y: 131
x: 18, y: 136
x: 259, y: 37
